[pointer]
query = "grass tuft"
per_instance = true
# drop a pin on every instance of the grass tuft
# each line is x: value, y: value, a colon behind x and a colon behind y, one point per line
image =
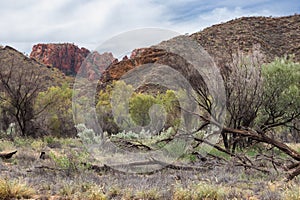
x: 292, y: 193
x: 14, y: 190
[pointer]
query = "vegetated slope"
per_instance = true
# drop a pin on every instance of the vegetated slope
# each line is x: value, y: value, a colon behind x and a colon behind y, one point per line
x: 276, y: 37
x: 13, y: 59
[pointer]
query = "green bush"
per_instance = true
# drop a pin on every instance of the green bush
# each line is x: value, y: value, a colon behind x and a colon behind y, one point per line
x: 120, y: 108
x: 139, y: 107
x: 281, y: 91
x: 58, y: 118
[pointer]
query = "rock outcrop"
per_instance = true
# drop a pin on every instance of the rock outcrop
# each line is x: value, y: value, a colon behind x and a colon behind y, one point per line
x: 66, y: 57
x: 95, y: 64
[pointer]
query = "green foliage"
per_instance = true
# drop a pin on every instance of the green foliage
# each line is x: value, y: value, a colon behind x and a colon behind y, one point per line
x: 170, y: 102
x: 139, y: 106
x: 281, y: 84
x: 130, y: 135
x: 62, y: 161
x: 87, y: 135
x: 71, y: 162
x: 120, y: 108
x: 58, y: 119
x: 119, y: 99
x: 104, y: 110
x: 281, y: 91
x: 22, y: 141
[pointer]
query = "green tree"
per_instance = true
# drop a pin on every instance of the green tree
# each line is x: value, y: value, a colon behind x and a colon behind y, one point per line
x: 170, y: 102
x: 120, y: 108
x: 58, y: 118
x: 139, y: 107
x: 281, y: 93
x: 260, y: 96
x: 104, y: 112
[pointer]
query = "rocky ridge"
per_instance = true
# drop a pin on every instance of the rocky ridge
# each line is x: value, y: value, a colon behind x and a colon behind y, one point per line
x: 66, y: 57
x: 274, y: 37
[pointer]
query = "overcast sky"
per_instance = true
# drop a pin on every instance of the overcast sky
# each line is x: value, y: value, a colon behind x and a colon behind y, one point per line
x: 88, y: 23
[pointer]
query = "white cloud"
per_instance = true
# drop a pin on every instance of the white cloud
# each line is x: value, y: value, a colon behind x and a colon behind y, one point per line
x: 91, y: 22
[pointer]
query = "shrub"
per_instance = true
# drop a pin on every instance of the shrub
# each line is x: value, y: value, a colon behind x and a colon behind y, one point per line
x: 182, y: 194
x: 208, y: 191
x: 58, y: 118
x: 139, y: 107
x: 120, y: 108
x: 87, y: 135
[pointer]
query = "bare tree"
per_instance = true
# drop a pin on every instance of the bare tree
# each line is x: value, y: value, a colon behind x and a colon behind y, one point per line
x: 244, y: 93
x: 259, y: 99
x: 20, y: 83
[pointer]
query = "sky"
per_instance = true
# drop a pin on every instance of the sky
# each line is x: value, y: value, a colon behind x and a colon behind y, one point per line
x: 88, y: 23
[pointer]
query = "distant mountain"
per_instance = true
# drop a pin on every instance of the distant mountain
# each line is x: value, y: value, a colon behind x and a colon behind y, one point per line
x: 275, y: 36
x: 66, y: 57
x: 69, y: 58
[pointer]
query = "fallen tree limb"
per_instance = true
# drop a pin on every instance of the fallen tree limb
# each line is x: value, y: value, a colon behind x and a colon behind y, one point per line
x: 293, y: 166
x: 50, y: 168
x: 7, y: 155
x: 253, y: 167
x: 254, y: 135
x: 163, y: 165
x: 131, y: 143
x: 264, y: 138
x: 295, y: 173
x: 214, y: 146
x: 242, y: 159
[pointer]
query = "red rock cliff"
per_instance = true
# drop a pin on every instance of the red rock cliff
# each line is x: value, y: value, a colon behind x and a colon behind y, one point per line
x: 66, y: 57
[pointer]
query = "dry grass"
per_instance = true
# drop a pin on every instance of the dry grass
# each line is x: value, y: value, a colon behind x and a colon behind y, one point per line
x: 14, y: 190
x: 292, y: 192
x: 67, y: 179
x: 202, y: 190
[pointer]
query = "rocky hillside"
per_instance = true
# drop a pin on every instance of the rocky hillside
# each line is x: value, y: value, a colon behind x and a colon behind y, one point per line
x: 273, y: 36
x: 66, y: 57
x: 95, y: 63
x: 11, y: 58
